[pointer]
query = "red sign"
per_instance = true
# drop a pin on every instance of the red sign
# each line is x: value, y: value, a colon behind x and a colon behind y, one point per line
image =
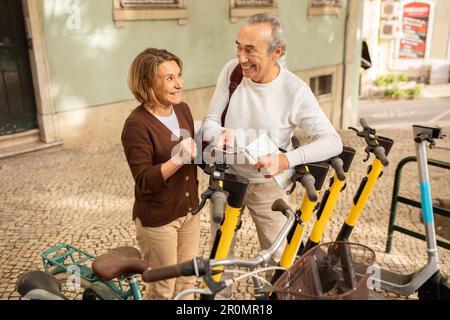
x: 415, y: 29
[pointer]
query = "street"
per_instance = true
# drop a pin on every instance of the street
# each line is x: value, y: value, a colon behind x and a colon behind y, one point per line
x: 405, y: 112
x: 84, y: 197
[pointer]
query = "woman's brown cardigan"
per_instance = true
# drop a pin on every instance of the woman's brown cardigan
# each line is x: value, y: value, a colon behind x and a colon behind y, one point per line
x: 147, y: 145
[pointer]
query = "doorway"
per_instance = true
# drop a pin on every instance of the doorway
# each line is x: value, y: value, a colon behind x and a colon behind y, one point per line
x: 17, y: 97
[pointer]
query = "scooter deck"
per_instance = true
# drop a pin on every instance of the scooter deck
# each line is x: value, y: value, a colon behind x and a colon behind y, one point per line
x: 396, y: 278
x: 406, y: 285
x: 376, y: 296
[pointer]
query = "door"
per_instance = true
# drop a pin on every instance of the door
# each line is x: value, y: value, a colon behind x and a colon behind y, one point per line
x: 17, y: 102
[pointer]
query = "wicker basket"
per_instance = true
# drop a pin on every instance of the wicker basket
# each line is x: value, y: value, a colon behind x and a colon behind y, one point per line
x: 331, y: 271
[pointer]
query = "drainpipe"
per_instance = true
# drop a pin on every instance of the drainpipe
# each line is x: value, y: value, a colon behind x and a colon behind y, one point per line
x: 352, y: 61
x: 344, y: 72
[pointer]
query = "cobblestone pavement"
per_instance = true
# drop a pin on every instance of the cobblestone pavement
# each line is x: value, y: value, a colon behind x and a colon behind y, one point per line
x: 84, y: 197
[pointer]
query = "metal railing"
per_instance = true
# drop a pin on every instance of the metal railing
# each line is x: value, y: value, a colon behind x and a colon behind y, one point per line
x: 396, y: 198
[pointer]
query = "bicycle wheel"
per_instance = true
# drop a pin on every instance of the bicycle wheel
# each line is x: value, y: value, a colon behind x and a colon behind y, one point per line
x: 72, y: 287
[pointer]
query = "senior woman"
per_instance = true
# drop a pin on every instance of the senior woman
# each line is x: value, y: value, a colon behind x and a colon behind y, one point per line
x: 158, y: 144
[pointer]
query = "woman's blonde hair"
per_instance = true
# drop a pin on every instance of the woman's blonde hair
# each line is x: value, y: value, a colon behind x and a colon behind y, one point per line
x: 143, y: 72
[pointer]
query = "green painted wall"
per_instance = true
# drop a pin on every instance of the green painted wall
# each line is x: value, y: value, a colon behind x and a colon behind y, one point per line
x: 89, y: 66
x: 315, y: 42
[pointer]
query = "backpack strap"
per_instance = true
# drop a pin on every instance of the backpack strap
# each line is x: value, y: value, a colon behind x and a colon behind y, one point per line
x: 235, y: 81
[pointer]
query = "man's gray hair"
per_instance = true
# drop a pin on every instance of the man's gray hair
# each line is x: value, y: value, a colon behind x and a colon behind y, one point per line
x: 278, y: 38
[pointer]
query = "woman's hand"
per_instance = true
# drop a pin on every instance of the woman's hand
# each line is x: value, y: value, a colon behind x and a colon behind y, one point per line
x: 187, y: 151
x: 183, y: 153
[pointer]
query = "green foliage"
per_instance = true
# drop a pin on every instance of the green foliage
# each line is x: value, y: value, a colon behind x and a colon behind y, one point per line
x: 390, y: 79
x: 384, y: 81
x: 392, y: 87
x: 401, y: 78
x: 395, y: 93
x: 399, y: 93
x: 415, y: 92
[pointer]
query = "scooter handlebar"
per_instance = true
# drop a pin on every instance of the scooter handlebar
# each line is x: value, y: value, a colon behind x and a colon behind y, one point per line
x: 380, y: 153
x: 295, y: 142
x: 308, y: 182
x: 338, y: 165
x: 364, y: 124
x: 219, y: 200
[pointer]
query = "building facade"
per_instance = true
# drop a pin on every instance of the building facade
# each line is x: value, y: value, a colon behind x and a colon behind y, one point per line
x: 70, y: 60
x: 410, y: 37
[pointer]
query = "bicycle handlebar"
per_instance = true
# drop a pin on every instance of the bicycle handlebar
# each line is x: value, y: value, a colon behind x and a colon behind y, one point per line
x: 195, y: 267
x: 200, y: 267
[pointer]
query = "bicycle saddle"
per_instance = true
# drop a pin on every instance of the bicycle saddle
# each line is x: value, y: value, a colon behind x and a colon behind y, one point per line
x: 119, y: 261
x: 39, y: 285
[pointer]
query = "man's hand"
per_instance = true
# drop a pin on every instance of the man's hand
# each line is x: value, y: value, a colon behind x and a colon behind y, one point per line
x: 272, y: 164
x: 226, y: 139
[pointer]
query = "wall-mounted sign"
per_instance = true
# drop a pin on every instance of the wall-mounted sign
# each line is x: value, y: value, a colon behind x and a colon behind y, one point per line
x: 413, y: 42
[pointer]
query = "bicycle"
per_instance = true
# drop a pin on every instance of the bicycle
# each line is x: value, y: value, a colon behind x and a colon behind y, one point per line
x: 67, y: 275
x: 125, y: 262
x: 207, y: 268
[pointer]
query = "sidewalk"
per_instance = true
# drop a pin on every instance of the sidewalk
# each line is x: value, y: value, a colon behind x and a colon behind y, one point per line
x: 435, y: 91
x: 433, y: 108
x: 84, y: 197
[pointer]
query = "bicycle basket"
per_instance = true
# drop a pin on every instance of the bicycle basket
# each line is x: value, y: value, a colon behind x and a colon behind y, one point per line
x: 331, y: 271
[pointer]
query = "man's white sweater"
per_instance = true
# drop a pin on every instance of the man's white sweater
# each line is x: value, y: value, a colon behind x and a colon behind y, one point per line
x: 275, y: 108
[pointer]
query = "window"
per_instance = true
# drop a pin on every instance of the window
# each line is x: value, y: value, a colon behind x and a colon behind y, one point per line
x: 135, y: 10
x: 149, y: 3
x: 246, y: 8
x: 324, y: 7
x: 322, y: 85
x: 264, y: 3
